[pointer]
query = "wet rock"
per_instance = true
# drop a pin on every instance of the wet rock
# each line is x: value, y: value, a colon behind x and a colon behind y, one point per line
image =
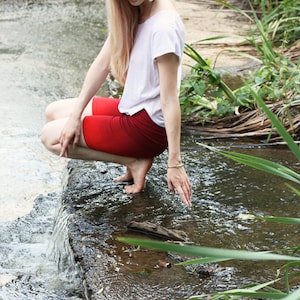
x: 157, y: 231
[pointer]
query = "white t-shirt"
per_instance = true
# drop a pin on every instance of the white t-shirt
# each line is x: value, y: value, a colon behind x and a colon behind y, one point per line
x: 161, y: 34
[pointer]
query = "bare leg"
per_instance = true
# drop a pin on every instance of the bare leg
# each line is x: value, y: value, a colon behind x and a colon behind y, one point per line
x: 125, y: 177
x: 136, y: 168
x: 62, y: 108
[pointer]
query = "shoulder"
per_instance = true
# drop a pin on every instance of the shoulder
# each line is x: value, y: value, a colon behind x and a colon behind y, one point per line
x: 164, y: 5
x: 166, y: 20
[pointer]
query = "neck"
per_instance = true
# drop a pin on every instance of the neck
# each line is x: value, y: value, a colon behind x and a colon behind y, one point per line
x: 146, y: 10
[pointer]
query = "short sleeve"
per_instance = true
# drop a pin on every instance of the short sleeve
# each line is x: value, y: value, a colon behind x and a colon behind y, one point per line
x: 168, y: 37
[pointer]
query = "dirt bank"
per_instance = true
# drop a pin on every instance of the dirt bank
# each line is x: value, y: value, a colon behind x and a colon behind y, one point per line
x: 203, y: 20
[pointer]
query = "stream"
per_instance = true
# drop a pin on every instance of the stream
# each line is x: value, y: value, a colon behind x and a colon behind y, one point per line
x: 59, y: 219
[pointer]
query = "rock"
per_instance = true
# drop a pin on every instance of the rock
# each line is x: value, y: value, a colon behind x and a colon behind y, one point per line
x: 157, y: 231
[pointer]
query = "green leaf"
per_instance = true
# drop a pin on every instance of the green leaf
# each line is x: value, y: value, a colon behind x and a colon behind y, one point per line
x: 291, y: 221
x: 207, y: 251
x: 293, y: 296
x: 258, y: 163
x: 278, y: 125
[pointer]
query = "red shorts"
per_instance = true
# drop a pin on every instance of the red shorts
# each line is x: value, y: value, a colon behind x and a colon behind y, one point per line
x: 108, y: 130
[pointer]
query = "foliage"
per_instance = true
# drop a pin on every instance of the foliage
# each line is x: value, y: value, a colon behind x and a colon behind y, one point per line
x: 282, y: 18
x: 204, y: 96
x: 262, y: 164
x: 205, y: 83
x: 213, y: 255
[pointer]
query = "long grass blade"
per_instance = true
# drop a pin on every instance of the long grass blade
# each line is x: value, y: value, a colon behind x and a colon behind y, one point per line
x: 255, y: 295
x: 259, y: 163
x: 293, y: 296
x: 260, y: 286
x: 235, y: 8
x: 291, y: 221
x: 217, y: 37
x: 192, y: 53
x: 207, y: 251
x: 296, y: 191
x: 278, y: 125
x: 204, y: 260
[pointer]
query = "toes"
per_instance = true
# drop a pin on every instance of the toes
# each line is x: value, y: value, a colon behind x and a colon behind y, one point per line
x: 133, y: 189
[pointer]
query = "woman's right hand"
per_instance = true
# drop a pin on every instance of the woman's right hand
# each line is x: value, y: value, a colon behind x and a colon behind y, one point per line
x: 179, y: 181
x: 70, y: 135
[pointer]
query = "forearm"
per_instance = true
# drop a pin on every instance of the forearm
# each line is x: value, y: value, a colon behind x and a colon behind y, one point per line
x: 172, y: 117
x: 168, y: 68
x: 176, y: 175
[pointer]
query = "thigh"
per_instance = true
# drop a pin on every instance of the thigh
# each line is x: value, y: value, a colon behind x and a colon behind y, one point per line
x: 132, y: 136
x: 60, y: 109
x: 105, y: 106
x: 51, y: 133
x: 98, y: 106
x: 107, y: 134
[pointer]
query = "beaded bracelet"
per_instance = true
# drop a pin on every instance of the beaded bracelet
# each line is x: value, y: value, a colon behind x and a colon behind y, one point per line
x: 178, y: 166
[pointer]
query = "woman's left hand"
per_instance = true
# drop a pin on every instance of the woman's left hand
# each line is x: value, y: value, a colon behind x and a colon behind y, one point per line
x: 179, y: 181
x: 70, y: 135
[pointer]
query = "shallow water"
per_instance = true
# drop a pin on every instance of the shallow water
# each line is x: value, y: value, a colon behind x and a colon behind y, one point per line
x: 45, y: 50
x: 100, y: 211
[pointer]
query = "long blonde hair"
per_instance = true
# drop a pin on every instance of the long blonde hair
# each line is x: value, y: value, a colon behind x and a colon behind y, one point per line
x: 123, y: 21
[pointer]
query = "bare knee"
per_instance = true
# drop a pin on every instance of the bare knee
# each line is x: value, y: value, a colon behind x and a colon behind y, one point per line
x: 59, y: 109
x: 50, y: 112
x: 45, y: 137
x: 48, y: 140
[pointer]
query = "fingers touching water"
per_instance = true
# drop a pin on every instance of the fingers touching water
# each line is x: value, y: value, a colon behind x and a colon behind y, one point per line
x: 179, y: 181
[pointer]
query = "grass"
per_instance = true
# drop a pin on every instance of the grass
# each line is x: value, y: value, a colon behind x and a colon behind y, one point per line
x: 204, y: 96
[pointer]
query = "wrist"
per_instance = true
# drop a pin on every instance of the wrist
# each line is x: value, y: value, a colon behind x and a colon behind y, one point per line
x: 174, y: 158
x: 175, y: 162
x: 76, y: 114
x: 176, y: 166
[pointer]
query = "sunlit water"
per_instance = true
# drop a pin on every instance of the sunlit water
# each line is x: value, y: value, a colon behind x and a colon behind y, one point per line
x: 45, y: 50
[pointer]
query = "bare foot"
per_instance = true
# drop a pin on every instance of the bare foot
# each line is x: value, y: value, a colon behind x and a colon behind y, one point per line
x: 138, y: 169
x: 125, y: 177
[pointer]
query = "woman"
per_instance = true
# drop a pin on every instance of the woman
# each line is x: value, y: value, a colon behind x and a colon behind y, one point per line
x: 143, y: 51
